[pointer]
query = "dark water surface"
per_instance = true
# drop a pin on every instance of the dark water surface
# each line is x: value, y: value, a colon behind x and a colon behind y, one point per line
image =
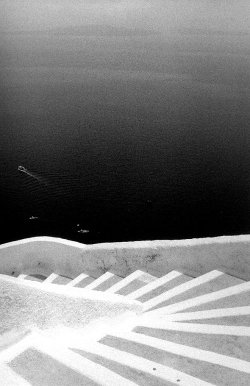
x: 132, y: 137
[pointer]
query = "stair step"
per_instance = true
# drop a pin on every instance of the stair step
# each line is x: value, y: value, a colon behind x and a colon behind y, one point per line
x: 34, y: 277
x: 182, y: 288
x: 84, y: 282
x: 109, y: 283
x: 200, y: 326
x: 220, y: 282
x: 206, y: 365
x: 243, y: 321
x: 16, y: 347
x: 22, y: 276
x: 104, y: 282
x: 237, y: 316
x: 77, y: 280
x: 164, y: 324
x: 227, y: 340
x: 62, y: 280
x: 240, y: 299
x: 158, y: 286
x: 48, y: 365
x: 141, y: 378
x: 142, y: 368
x: 131, y: 283
x: 235, y: 296
x: 10, y: 378
x: 51, y: 278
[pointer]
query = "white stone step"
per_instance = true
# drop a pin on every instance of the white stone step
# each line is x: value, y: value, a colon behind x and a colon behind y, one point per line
x: 16, y: 349
x: 243, y: 321
x: 131, y: 282
x: 187, y: 351
x: 63, y: 280
x: 107, y: 278
x: 34, y: 277
x: 85, y: 282
x: 214, y: 329
x: 57, y: 279
x: 198, y: 281
x: 220, y: 282
x: 232, y: 341
x: 81, y: 281
x: 204, y: 364
x: 166, y: 282
x: 237, y: 316
x: 51, y: 278
x: 108, y: 283
x: 236, y: 296
x: 77, y: 280
x: 10, y: 378
x: 22, y: 276
x: 52, y: 364
x: 142, y: 365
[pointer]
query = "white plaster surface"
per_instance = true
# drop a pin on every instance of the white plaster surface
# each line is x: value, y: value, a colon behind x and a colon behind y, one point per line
x: 156, y: 344
x: 44, y: 255
x: 30, y: 305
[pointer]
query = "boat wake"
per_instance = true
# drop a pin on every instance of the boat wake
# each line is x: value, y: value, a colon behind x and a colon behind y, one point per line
x: 22, y: 169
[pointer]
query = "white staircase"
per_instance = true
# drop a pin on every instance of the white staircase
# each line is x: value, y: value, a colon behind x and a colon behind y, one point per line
x: 193, y: 331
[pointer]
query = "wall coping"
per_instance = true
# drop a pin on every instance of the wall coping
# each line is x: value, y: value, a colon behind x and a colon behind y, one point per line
x: 133, y: 244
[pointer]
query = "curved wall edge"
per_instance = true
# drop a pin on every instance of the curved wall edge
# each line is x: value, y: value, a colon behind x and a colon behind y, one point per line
x: 193, y: 257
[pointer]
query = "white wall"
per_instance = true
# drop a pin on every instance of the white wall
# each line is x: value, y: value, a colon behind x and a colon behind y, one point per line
x: 44, y: 255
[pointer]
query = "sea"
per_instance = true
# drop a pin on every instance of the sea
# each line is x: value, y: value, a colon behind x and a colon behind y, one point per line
x: 125, y: 136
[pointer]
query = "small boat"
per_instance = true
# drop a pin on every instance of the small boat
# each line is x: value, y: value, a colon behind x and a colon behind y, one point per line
x: 83, y: 231
x: 22, y: 169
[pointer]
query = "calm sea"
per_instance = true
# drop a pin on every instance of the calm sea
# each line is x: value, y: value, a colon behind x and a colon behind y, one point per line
x: 125, y: 137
